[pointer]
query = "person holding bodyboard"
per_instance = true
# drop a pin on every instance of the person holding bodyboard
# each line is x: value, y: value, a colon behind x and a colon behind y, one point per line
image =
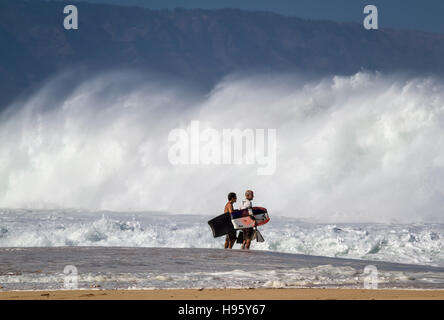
x: 230, y: 238
x: 249, y: 233
x: 231, y: 220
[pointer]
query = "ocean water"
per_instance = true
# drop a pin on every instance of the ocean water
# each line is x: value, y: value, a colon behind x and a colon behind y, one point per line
x: 402, y: 243
x: 150, y: 268
x: 158, y: 250
x: 366, y: 150
x: 359, y: 148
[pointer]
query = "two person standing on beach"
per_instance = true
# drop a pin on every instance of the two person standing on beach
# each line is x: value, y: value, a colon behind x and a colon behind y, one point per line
x: 248, y: 234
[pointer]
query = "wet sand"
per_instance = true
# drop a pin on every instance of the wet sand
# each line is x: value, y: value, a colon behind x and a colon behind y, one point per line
x: 226, y: 294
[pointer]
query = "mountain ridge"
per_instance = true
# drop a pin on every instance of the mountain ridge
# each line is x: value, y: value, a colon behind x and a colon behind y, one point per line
x: 197, y: 44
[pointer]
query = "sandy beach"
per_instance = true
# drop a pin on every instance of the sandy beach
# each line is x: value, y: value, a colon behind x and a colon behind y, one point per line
x: 227, y: 294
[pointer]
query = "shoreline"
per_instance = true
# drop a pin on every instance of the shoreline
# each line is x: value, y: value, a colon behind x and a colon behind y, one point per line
x: 228, y: 294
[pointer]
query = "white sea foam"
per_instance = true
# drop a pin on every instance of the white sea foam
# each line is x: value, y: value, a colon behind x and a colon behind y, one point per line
x: 413, y: 243
x: 367, y: 147
x: 320, y: 276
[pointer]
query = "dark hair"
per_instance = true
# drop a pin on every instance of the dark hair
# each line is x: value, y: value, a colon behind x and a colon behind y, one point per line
x: 231, y: 195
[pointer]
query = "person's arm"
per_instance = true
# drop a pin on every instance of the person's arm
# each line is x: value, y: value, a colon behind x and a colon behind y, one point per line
x: 250, y: 212
x: 250, y: 208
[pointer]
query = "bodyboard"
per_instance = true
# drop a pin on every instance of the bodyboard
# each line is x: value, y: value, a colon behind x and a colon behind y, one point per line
x: 221, y: 225
x: 240, y: 219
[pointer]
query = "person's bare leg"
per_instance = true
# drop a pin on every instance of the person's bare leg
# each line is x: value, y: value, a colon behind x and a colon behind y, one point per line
x: 232, y: 244
x: 243, y: 244
x: 247, y: 244
x: 226, y: 244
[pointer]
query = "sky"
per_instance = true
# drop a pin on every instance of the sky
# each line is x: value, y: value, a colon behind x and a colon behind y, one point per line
x: 425, y: 15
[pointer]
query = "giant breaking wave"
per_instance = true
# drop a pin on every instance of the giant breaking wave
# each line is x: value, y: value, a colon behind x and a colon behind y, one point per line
x: 367, y: 147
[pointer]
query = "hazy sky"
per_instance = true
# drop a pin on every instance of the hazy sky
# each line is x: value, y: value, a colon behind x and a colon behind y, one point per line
x: 427, y: 15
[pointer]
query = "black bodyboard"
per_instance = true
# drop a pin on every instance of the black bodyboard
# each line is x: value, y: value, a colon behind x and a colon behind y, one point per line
x: 221, y: 225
